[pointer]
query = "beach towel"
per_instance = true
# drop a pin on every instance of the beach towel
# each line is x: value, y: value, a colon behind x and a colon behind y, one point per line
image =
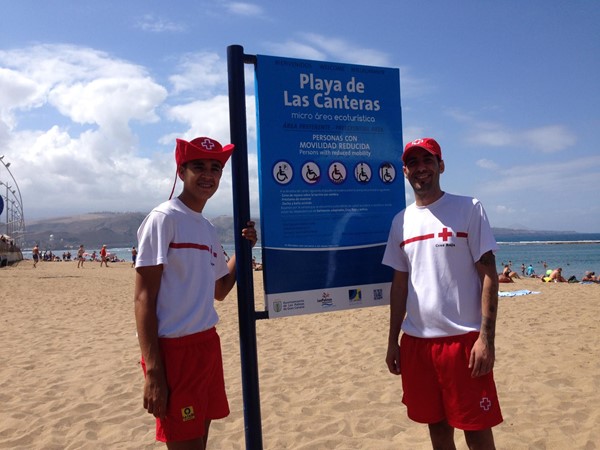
x: 516, y: 293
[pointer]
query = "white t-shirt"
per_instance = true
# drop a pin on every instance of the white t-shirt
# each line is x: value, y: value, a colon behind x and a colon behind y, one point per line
x: 187, y: 245
x: 438, y: 245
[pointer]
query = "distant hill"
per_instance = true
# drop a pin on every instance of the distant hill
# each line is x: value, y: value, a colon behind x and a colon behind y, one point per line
x: 119, y: 230
x: 92, y: 230
x: 501, y: 233
x: 506, y: 234
x: 96, y: 229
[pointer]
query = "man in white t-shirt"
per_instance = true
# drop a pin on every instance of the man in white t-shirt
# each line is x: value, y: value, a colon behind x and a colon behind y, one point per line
x: 180, y: 271
x: 444, y: 298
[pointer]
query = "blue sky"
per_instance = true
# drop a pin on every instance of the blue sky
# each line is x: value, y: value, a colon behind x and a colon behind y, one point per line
x: 93, y: 94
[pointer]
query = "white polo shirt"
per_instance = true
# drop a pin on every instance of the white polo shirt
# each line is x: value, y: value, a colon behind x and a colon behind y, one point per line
x: 187, y: 245
x: 438, y: 246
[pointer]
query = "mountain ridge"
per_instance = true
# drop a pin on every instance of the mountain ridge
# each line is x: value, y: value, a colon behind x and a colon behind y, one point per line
x: 112, y: 229
x: 115, y: 229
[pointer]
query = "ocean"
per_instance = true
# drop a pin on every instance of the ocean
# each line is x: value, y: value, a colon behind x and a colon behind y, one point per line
x: 575, y: 253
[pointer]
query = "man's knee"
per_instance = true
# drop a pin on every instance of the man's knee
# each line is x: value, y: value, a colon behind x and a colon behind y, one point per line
x: 442, y: 436
x: 480, y: 440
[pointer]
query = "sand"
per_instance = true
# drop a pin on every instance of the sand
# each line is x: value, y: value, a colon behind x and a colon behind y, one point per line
x: 70, y: 377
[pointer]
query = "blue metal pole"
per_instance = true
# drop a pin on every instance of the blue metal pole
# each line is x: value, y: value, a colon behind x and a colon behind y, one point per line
x: 243, y: 250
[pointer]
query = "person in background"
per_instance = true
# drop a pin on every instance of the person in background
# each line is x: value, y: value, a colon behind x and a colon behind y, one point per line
x: 35, y: 252
x: 508, y: 272
x: 502, y: 278
x: 590, y: 276
x: 556, y: 276
x: 444, y: 299
x: 133, y: 256
x: 103, y: 256
x: 180, y: 271
x: 80, y: 256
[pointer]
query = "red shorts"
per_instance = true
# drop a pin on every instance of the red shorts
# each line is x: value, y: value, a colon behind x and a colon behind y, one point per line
x: 437, y: 383
x: 194, y: 369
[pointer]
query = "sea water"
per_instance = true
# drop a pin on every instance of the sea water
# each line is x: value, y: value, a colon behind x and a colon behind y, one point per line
x: 574, y: 253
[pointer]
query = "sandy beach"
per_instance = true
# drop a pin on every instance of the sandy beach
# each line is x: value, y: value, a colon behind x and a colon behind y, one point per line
x: 70, y: 376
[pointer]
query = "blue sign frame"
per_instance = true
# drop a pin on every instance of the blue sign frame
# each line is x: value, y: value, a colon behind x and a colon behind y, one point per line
x: 330, y: 146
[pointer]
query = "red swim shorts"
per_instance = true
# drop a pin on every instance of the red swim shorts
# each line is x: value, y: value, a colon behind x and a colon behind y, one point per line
x: 437, y: 383
x: 194, y: 367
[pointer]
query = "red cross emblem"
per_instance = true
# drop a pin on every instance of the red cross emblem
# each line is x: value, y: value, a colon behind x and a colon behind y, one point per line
x: 207, y: 144
x: 485, y: 404
x: 445, y: 234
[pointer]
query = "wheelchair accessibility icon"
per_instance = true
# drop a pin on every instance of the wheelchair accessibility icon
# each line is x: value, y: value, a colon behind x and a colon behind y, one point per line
x: 362, y: 172
x: 337, y: 172
x: 283, y: 172
x: 387, y: 172
x: 311, y: 173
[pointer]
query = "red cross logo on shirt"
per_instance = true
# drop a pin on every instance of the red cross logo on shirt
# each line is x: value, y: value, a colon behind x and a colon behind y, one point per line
x: 445, y: 234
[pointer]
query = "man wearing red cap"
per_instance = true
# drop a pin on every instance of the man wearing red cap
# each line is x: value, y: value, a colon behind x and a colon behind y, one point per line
x: 180, y: 271
x: 444, y: 298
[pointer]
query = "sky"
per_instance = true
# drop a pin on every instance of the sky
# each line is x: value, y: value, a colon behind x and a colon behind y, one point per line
x: 93, y: 95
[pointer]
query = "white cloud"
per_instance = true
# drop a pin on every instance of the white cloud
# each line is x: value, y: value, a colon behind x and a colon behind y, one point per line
x: 244, y: 9
x: 550, y: 139
x: 84, y: 85
x: 50, y: 64
x: 541, y: 193
x: 502, y: 209
x: 486, y: 164
x: 293, y: 49
x: 547, y: 139
x: 204, y: 118
x: 544, y: 139
x: 17, y: 91
x: 343, y: 50
x: 92, y: 161
x: 111, y: 103
x: 200, y: 73
x: 325, y: 48
x: 549, y: 182
x: 493, y: 138
x: 158, y: 25
x: 413, y: 87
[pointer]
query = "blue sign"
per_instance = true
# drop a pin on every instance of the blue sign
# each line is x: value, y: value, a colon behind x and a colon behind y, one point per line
x: 330, y: 146
x: 1, y: 205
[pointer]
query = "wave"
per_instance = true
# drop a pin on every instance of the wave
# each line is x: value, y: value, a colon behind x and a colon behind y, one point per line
x: 593, y: 241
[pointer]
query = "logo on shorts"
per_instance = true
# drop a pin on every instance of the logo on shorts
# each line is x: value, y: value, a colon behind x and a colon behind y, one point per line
x: 187, y: 413
x: 485, y: 404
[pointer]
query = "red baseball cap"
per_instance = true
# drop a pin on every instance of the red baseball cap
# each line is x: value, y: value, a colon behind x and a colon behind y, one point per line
x: 202, y: 148
x: 428, y: 144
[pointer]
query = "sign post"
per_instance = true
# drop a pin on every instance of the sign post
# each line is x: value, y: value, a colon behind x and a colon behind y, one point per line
x: 330, y: 175
x: 243, y: 250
